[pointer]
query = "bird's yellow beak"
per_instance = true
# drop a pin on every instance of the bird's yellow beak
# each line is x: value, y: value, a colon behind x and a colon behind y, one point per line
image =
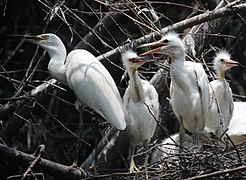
x: 29, y: 37
x: 231, y: 63
x: 157, y: 44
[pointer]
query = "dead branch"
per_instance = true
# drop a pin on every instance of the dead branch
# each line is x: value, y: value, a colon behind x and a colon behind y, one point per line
x: 20, y: 107
x: 38, y: 152
x: 91, y: 41
x: 49, y: 167
x: 217, y: 173
x: 9, y: 107
x: 179, y: 26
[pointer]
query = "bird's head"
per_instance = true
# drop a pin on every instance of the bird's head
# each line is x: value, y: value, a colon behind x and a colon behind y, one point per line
x: 223, y: 62
x: 50, y: 42
x: 131, y: 60
x: 170, y: 44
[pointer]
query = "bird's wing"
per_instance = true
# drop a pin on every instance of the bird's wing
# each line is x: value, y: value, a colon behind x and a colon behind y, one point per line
x: 237, y: 124
x: 151, y: 97
x: 94, y: 87
x: 202, y: 84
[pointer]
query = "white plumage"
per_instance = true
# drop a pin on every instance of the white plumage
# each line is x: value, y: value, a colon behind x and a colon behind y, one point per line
x: 86, y: 76
x: 141, y: 104
x: 189, y: 85
x: 221, y: 107
x: 237, y: 126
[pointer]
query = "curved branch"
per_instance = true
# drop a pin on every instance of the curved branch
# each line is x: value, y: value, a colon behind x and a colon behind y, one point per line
x: 179, y: 26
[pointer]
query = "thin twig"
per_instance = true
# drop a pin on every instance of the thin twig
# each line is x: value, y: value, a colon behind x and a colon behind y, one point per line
x: 38, y: 153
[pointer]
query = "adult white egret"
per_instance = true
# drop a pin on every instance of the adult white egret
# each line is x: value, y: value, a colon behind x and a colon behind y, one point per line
x: 237, y: 126
x: 221, y: 108
x: 141, y: 105
x: 189, y: 86
x: 90, y: 81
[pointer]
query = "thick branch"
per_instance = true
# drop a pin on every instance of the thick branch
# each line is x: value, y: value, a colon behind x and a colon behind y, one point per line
x: 49, y: 167
x: 179, y: 26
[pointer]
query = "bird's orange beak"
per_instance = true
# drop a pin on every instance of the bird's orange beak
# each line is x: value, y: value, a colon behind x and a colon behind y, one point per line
x: 140, y: 59
x: 156, y: 44
x: 231, y: 63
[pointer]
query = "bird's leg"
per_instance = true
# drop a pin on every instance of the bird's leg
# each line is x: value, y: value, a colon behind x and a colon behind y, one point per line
x: 75, y: 162
x: 133, y: 166
x: 181, y: 132
x: 196, y: 132
x: 146, y: 156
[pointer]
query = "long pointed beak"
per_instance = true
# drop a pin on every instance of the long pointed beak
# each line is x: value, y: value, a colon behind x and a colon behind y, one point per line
x: 231, y: 63
x: 141, y: 59
x: 26, y: 37
x: 157, y: 44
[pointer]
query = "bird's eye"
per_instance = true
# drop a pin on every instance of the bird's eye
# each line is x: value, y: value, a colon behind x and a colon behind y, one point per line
x: 165, y: 41
x: 222, y: 60
x: 133, y: 60
x: 45, y: 37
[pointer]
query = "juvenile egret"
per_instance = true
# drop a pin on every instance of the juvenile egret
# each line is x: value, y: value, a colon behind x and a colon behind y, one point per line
x: 189, y: 86
x: 237, y: 126
x: 90, y: 81
x: 141, y: 105
x: 221, y: 108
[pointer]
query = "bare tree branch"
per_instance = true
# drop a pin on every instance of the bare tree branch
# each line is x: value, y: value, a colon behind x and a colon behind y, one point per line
x: 179, y: 26
x: 49, y: 167
x: 20, y: 107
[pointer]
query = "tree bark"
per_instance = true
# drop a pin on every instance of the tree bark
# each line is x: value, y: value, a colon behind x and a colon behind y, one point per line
x: 55, y: 169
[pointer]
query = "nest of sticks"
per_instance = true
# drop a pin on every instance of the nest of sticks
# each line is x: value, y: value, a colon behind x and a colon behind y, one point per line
x: 213, y: 161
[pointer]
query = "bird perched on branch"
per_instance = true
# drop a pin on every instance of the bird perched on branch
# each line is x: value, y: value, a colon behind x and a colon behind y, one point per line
x: 90, y: 81
x: 221, y: 107
x: 189, y: 85
x: 141, y: 105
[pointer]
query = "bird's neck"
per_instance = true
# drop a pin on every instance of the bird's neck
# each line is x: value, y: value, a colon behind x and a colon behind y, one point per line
x: 56, y: 65
x: 135, y: 86
x: 179, y: 75
x: 177, y: 53
x: 221, y: 74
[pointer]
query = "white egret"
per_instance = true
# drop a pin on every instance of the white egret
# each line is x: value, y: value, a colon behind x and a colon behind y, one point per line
x: 90, y: 81
x: 237, y: 126
x: 141, y: 105
x: 221, y: 107
x: 189, y: 86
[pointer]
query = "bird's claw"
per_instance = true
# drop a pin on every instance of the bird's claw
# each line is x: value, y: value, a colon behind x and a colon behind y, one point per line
x: 74, y: 165
x: 133, y: 167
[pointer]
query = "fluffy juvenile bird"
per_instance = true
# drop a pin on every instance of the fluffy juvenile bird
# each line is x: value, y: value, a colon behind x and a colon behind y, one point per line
x: 189, y: 89
x: 221, y: 107
x: 141, y: 105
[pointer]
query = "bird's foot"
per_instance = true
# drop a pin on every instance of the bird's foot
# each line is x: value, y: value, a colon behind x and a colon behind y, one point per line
x: 133, y: 167
x: 75, y: 165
